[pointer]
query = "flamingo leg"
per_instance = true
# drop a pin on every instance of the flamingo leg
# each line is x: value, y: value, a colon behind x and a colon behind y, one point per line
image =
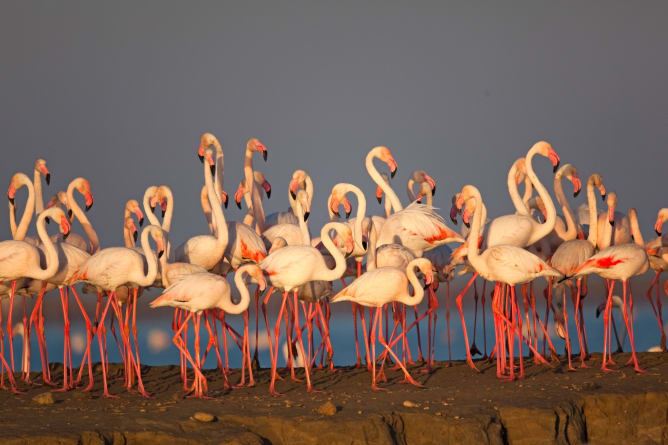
x: 568, y: 340
x: 447, y: 320
x: 10, y: 331
x: 89, y: 339
x: 469, y: 359
x: 274, y: 363
x: 627, y: 311
x: 606, y: 332
x: 102, y: 352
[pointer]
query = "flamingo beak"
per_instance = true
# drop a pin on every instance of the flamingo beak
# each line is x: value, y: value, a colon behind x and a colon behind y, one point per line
x: 11, y: 193
x: 262, y: 149
x: 140, y: 216
x: 200, y: 153
x: 577, y: 186
x: 224, y: 198
x: 431, y: 183
x: 658, y: 226
x: 267, y: 188
x: 65, y: 226
x: 603, y: 192
x: 419, y: 198
x: 294, y: 184
x: 454, y: 211
x: 554, y: 157
x: 134, y: 235
x: 89, y: 200
x: 163, y: 206
x: 47, y: 177
x: 379, y: 195
x: 347, y: 207
x: 611, y: 215
x: 393, y: 166
x: 334, y: 206
x: 69, y: 213
x: 306, y: 214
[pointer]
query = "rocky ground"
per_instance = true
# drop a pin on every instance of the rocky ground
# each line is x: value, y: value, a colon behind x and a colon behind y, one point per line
x: 456, y: 405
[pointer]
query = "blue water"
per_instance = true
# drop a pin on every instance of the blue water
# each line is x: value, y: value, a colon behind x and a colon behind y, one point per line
x: 157, y: 323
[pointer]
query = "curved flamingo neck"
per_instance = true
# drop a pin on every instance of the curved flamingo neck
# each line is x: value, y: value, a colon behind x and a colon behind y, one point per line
x: 518, y: 202
x: 359, y: 217
x: 226, y: 303
x: 150, y: 191
x: 339, y: 259
x: 47, y: 245
x: 93, y: 240
x: 151, y: 260
x: 22, y: 229
x: 220, y: 165
x: 206, y: 209
x: 545, y: 228
x: 167, y: 220
x: 472, y: 241
x: 418, y: 290
x: 528, y: 191
x: 387, y: 189
x: 569, y: 217
x: 303, y: 226
x: 127, y: 238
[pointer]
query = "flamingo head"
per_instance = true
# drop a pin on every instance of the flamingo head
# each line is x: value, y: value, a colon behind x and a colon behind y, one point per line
x: 661, y: 218
x: 298, y: 180
x: 83, y: 187
x: 254, y: 144
x: 256, y: 273
x: 421, y: 177
x: 14, y: 185
x: 454, y: 210
x: 159, y: 237
x: 239, y: 194
x: 596, y: 180
x: 278, y: 243
x: 571, y: 174
x: 206, y: 141
x: 40, y: 166
x: 58, y: 215
x: 132, y: 206
x: 337, y: 198
x: 612, y: 204
x: 260, y: 179
x: 130, y: 227
x: 427, y: 269
x: 545, y: 149
x: 302, y: 201
x: 346, y: 236
x: 386, y: 157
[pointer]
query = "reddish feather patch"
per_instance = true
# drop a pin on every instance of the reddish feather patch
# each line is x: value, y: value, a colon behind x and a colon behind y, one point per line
x: 607, y: 262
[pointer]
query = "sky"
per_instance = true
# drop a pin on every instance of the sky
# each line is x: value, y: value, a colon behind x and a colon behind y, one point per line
x: 120, y: 92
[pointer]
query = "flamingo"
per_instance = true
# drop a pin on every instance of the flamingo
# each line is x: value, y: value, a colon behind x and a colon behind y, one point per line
x: 619, y: 225
x: 417, y: 227
x: 522, y: 230
x: 20, y: 259
x: 208, y: 140
x: 293, y: 266
x: 571, y: 254
x: 507, y: 264
x: 201, y: 291
x: 377, y: 287
x: 39, y: 169
x: 618, y: 262
x: 254, y: 145
x: 294, y: 235
x: 113, y: 267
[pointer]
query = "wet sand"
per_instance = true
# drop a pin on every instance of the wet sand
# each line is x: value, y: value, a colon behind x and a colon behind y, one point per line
x: 456, y: 405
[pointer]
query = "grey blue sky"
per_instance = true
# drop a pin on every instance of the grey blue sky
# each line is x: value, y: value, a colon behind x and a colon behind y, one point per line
x: 120, y: 92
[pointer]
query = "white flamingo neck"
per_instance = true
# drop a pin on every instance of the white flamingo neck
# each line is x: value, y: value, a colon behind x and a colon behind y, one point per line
x: 518, y: 202
x: 474, y: 234
x: 228, y: 306
x: 547, y: 227
x: 216, y: 212
x: 39, y: 198
x: 593, y: 214
x: 49, y: 249
x: 256, y: 200
x: 22, y: 229
x: 359, y: 217
x: 167, y: 220
x: 339, y: 259
x: 93, y: 240
x: 151, y: 260
x: 418, y: 290
x: 152, y: 219
x: 635, y: 228
x: 387, y: 189
x: 569, y: 217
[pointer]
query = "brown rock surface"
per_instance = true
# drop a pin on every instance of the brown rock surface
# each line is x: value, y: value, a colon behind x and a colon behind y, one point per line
x: 456, y: 406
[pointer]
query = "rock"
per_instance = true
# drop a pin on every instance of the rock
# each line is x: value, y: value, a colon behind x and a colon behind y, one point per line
x: 409, y: 404
x: 204, y: 417
x: 45, y: 398
x: 327, y: 409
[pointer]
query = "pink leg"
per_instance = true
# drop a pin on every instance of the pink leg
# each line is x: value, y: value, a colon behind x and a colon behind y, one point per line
x: 102, y: 354
x: 629, y: 327
x: 89, y: 339
x: 469, y: 359
x: 274, y: 363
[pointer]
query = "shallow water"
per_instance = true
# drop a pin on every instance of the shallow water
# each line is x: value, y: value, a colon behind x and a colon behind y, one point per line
x: 155, y: 335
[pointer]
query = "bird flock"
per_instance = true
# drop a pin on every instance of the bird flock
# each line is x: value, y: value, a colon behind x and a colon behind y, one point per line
x: 391, y: 261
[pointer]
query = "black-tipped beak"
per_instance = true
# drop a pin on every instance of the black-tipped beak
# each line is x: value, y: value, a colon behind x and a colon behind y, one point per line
x: 213, y: 169
x: 433, y: 191
x: 264, y: 155
x: 556, y: 167
x: 658, y: 232
x: 364, y: 245
x: 160, y: 253
x: 65, y: 235
x: 612, y: 223
x: 152, y: 209
x: 141, y: 221
x: 48, y: 220
x: 393, y: 172
x: 468, y: 225
x: 306, y: 214
x: 603, y: 197
x: 293, y: 194
x: 201, y: 157
x: 347, y: 215
x: 48, y: 178
x: 380, y: 199
x: 134, y: 235
x: 598, y: 312
x: 11, y: 200
x: 225, y: 202
x: 575, y: 194
x: 89, y: 206
x: 337, y: 214
x: 238, y: 204
x: 69, y: 213
x: 163, y: 213
x: 269, y: 194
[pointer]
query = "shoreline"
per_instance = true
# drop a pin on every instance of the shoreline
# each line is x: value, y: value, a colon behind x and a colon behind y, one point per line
x: 456, y: 405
